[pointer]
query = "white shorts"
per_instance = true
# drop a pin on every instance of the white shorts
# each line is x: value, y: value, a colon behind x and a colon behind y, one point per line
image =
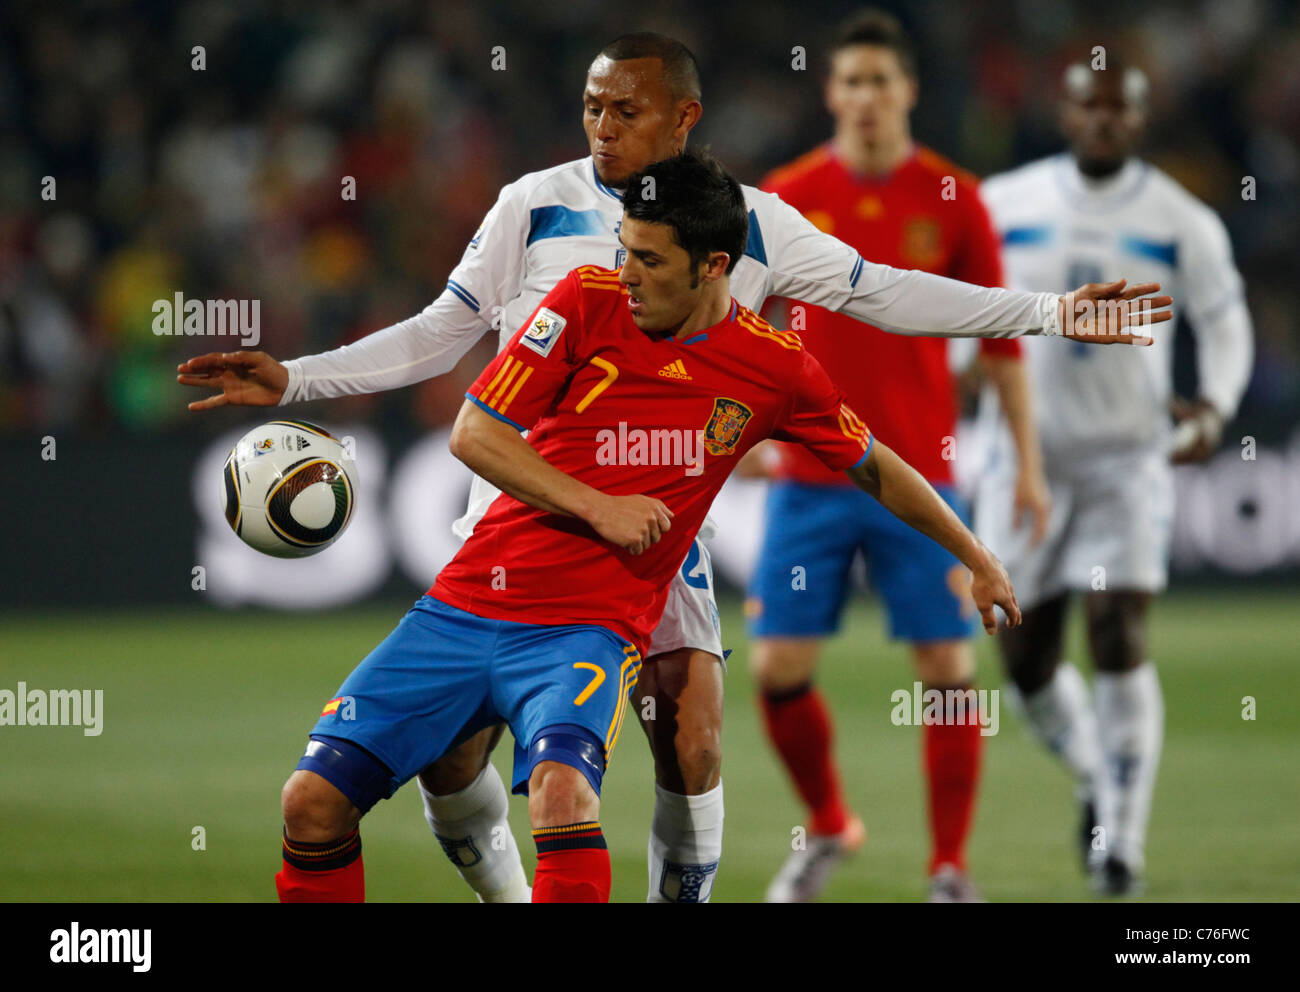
x: 690, y: 618
x: 1109, y: 527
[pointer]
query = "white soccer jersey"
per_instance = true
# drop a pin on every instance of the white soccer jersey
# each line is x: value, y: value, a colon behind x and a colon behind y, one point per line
x: 1060, y: 230
x: 548, y: 223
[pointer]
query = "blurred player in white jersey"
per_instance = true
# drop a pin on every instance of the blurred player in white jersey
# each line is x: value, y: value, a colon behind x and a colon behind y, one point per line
x: 1108, y: 444
x: 641, y: 99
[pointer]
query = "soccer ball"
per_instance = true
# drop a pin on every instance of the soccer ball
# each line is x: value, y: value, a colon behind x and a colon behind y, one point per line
x: 288, y: 489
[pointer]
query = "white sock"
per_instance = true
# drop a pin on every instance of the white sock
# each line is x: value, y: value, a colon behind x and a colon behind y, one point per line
x: 685, y: 845
x: 1131, y: 718
x: 472, y: 827
x: 1062, y: 717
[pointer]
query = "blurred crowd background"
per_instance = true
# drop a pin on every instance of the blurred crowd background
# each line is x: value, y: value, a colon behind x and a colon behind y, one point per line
x: 225, y: 182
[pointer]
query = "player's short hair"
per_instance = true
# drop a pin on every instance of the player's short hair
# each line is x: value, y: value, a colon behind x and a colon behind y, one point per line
x: 694, y: 195
x: 681, y: 70
x: 876, y: 27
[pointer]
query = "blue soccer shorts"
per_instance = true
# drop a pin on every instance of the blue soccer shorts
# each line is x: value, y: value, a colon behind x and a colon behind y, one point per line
x: 444, y: 674
x: 802, y: 578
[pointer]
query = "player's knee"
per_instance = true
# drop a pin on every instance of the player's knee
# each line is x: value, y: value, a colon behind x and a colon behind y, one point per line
x: 1117, y: 630
x: 1032, y: 651
x: 779, y: 664
x: 559, y: 794
x: 1028, y: 671
x: 697, y: 756
x: 944, y: 663
x: 315, y: 811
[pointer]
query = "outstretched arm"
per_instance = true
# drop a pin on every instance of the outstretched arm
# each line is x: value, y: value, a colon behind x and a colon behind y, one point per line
x: 903, y: 492
x: 810, y: 266
x: 420, y: 347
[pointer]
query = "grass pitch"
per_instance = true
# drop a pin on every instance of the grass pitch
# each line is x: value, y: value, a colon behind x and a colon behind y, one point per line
x: 206, y: 712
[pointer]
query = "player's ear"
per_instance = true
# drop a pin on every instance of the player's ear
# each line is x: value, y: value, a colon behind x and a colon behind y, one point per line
x: 715, y: 266
x: 689, y: 113
x: 913, y: 92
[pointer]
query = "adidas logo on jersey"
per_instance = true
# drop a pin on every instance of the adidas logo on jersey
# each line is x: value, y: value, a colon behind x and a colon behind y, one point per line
x: 675, y: 370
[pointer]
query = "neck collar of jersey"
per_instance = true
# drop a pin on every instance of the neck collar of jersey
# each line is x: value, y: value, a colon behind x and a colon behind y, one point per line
x: 872, y: 178
x: 1101, y: 194
x: 703, y: 335
x: 607, y: 190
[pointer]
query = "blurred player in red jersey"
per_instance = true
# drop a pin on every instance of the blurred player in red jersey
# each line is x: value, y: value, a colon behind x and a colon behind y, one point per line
x: 902, y: 205
x: 540, y: 619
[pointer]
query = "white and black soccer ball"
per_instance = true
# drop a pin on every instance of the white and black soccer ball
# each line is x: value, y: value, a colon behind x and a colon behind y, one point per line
x: 288, y: 488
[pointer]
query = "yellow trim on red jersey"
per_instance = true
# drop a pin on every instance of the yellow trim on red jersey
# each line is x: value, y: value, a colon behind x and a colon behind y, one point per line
x: 595, y: 277
x: 505, y: 367
x: 853, y: 426
x: 757, y: 325
x: 492, y: 395
x: 505, y: 405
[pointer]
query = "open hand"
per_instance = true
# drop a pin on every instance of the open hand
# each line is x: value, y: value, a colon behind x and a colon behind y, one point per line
x: 1107, y: 313
x: 245, y: 378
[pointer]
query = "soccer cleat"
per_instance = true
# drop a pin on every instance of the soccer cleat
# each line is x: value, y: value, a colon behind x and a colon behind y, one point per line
x: 948, y: 884
x: 806, y: 872
x: 1115, y: 878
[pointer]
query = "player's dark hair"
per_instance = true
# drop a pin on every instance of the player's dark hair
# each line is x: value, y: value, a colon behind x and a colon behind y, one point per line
x: 876, y: 27
x: 694, y: 195
x: 681, y: 70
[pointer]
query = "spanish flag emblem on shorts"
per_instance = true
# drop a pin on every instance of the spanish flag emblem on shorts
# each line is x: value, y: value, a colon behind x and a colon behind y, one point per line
x: 331, y: 707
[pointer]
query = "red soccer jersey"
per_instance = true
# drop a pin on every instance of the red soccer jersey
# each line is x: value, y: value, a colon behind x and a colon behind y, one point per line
x: 926, y: 214
x: 627, y: 413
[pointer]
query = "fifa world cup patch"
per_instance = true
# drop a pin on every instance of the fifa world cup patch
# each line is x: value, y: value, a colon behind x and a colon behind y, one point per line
x: 543, y: 332
x: 725, y: 426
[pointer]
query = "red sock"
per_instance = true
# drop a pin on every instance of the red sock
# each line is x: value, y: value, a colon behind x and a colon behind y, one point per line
x: 952, y: 765
x: 572, y: 864
x: 329, y: 872
x: 799, y: 726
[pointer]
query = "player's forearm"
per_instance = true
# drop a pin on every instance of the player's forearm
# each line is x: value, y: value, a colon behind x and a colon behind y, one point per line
x: 421, y: 347
x: 1012, y: 383
x: 497, y: 452
x: 903, y: 491
x: 908, y: 301
x: 1225, y: 355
